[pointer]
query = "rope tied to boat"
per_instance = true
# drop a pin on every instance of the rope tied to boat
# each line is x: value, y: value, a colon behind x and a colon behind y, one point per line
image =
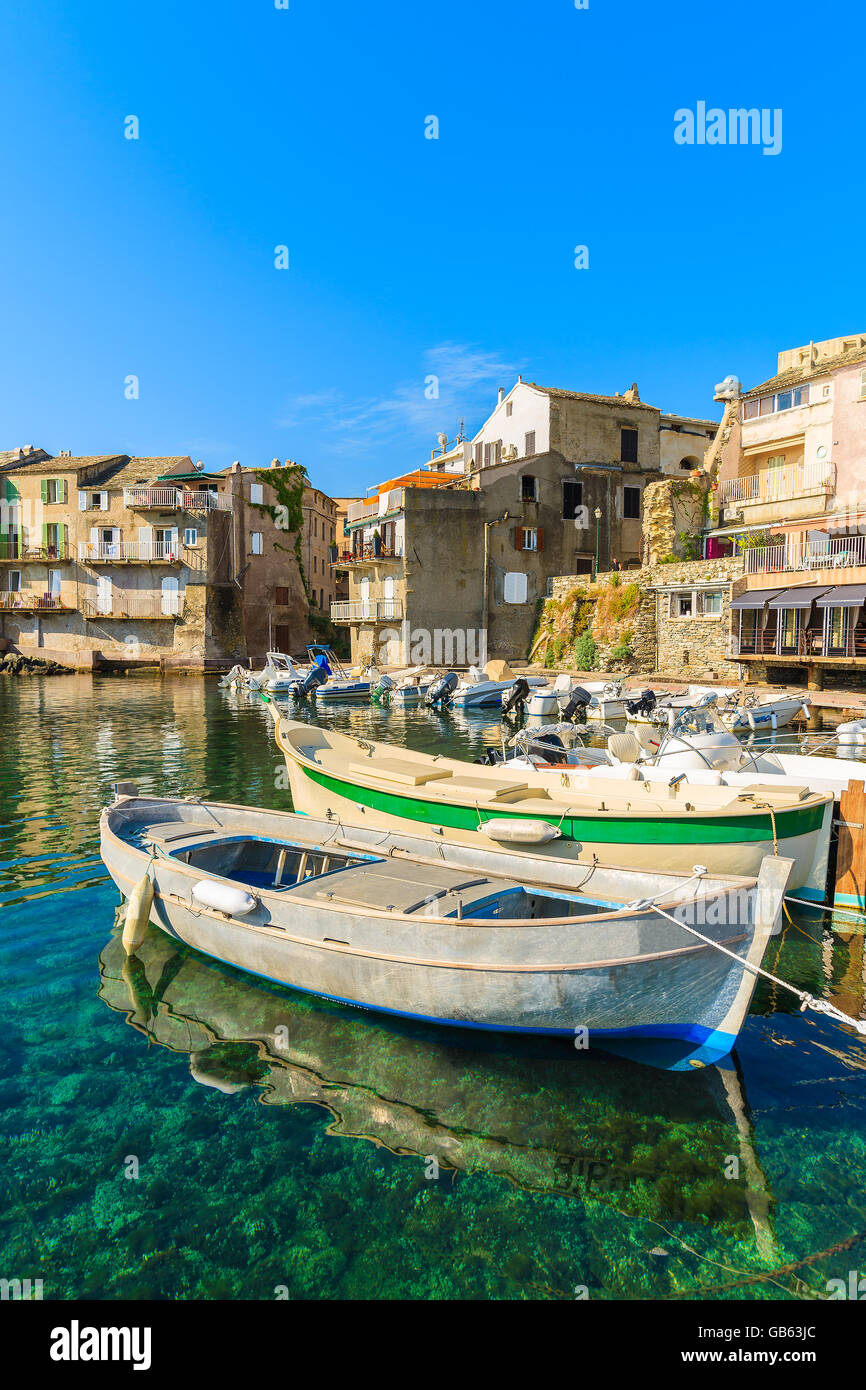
x: 807, y: 1001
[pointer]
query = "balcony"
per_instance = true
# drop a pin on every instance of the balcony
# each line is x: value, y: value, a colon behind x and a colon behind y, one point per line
x: 172, y: 499
x: 366, y: 555
x: 21, y: 601
x: 128, y: 552
x: 12, y: 548
x: 133, y: 605
x: 367, y: 610
x: 840, y: 552
x: 779, y: 484
x: 382, y: 505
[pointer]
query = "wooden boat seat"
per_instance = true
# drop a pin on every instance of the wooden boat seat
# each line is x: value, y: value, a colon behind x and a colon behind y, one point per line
x: 777, y: 796
x: 171, y: 830
x: 399, y: 770
x: 400, y: 887
x: 494, y: 790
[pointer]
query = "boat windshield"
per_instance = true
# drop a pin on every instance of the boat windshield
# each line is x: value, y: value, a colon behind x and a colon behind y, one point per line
x: 700, y: 719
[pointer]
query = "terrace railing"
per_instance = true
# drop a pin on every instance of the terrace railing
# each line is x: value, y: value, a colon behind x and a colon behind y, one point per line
x: 144, y: 552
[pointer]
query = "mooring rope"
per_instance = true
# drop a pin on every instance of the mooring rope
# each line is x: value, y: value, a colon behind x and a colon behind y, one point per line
x: 807, y: 1001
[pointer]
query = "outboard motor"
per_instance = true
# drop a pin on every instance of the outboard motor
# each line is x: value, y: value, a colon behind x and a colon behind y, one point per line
x: 442, y: 692
x: 381, y: 693
x: 577, y: 705
x: 311, y: 682
x: 550, y: 747
x: 644, y: 704
x: 517, y: 697
x: 491, y: 757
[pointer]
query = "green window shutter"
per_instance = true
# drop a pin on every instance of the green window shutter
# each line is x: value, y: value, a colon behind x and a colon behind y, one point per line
x: 43, y: 487
x: 62, y: 490
x: 64, y: 541
x: 44, y: 535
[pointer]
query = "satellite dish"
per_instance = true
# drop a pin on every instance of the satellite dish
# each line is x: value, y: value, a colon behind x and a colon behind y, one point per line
x: 198, y: 466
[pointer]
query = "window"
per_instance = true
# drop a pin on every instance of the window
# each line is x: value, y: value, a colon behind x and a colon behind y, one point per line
x: 776, y: 461
x: 54, y: 583
x: 783, y: 400
x: 190, y: 536
x: 529, y: 443
x: 14, y: 582
x: 682, y: 605
x: 572, y: 498
x: 628, y: 446
x: 281, y: 595
x: 862, y: 386
x: 712, y: 603
x: 315, y: 564
x: 631, y: 502
x: 508, y: 406
x: 256, y: 542
x: 530, y: 538
x: 93, y: 501
x: 515, y: 588
x: 528, y: 488
x: 257, y: 493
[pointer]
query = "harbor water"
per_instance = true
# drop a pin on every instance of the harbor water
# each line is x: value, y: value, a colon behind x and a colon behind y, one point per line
x: 172, y: 1129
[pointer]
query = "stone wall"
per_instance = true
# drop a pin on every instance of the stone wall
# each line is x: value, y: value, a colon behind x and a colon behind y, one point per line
x: 680, y: 648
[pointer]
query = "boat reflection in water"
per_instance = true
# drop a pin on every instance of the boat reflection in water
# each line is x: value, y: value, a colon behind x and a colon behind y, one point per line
x: 652, y: 1144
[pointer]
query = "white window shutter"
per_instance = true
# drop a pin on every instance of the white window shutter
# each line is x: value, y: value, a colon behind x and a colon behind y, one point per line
x: 103, y: 501
x: 145, y: 542
x: 82, y: 501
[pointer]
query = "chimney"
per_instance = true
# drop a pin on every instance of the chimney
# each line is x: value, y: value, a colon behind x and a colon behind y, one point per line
x: 501, y: 395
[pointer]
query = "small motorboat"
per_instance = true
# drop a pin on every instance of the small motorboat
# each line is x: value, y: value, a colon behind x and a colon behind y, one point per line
x: 483, y: 689
x: 750, y: 712
x: 404, y: 688
x: 452, y: 936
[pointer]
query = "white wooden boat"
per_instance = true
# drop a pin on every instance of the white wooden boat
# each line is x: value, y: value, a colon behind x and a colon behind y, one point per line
x: 452, y: 938
x: 730, y: 829
x: 749, y: 712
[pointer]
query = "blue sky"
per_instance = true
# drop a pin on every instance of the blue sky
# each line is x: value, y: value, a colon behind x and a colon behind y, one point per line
x: 305, y: 127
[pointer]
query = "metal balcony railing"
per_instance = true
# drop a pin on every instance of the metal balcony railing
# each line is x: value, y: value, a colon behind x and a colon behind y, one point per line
x: 23, y: 601
x: 838, y: 552
x: 133, y: 605
x: 365, y: 554
x: 175, y: 499
x: 780, y: 484
x: 144, y: 552
x: 367, y: 610
x: 11, y: 548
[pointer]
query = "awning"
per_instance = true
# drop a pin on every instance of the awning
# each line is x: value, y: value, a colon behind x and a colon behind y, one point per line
x: 802, y: 597
x: 754, y: 598
x: 843, y: 596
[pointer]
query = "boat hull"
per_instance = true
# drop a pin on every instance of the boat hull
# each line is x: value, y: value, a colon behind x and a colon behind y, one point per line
x: 624, y: 973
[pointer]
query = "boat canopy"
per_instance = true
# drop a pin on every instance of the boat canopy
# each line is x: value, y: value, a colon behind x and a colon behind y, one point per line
x: 844, y: 596
x: 802, y: 597
x: 754, y: 598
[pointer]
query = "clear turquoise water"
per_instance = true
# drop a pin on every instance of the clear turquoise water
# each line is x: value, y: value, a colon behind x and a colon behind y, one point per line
x: 285, y: 1143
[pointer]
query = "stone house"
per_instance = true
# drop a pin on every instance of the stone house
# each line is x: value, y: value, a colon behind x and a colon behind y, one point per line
x: 792, y: 499
x: 131, y: 561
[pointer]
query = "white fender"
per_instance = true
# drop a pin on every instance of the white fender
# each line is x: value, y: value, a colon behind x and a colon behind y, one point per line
x: 223, y: 897
x: 520, y: 832
x: 137, y: 916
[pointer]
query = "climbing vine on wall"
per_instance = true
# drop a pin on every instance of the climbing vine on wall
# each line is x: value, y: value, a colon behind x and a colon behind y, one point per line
x: 287, y: 512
